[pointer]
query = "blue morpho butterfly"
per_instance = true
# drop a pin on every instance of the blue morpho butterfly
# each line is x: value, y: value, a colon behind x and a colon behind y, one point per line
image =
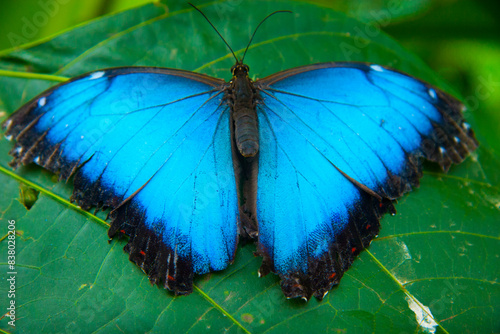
x: 305, y: 161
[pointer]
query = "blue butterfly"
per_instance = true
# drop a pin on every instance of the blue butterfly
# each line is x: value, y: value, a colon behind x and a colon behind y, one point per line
x: 305, y: 161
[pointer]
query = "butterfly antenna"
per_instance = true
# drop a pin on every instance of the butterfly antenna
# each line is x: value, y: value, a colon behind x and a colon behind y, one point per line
x: 255, y: 31
x: 217, y: 31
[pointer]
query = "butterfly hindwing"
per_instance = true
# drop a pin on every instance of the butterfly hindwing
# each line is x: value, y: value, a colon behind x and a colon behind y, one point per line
x: 339, y: 142
x: 153, y: 145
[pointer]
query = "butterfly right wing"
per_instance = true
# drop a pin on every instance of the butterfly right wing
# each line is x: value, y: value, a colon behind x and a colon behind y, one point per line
x: 153, y: 145
x: 339, y: 142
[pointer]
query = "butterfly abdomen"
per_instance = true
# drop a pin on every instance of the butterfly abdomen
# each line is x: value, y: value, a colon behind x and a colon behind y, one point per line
x: 246, y: 131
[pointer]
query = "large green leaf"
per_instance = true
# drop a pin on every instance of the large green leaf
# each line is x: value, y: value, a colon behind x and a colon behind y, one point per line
x: 440, y: 251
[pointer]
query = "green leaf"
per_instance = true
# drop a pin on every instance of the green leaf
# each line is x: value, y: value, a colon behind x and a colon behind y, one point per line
x: 440, y: 251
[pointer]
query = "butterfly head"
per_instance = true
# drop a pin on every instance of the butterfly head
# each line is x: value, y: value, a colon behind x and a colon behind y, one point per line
x: 240, y: 70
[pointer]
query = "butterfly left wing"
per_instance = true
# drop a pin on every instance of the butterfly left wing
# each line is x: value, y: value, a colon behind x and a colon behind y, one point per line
x: 338, y: 143
x: 152, y: 144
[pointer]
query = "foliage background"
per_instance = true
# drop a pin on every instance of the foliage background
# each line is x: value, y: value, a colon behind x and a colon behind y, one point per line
x: 459, y: 40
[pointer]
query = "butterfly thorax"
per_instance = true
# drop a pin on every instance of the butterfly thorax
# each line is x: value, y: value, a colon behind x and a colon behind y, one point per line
x: 242, y: 96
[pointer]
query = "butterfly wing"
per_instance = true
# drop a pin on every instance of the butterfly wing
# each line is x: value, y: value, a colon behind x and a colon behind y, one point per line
x: 154, y: 145
x: 339, y: 142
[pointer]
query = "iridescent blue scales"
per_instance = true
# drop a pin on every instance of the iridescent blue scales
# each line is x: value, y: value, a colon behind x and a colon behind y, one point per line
x: 337, y: 143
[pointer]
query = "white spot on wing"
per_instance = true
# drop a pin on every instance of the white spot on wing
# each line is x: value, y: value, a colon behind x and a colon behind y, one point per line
x: 18, y: 150
x: 96, y: 75
x: 9, y: 137
x: 42, y: 101
x: 8, y: 123
x: 423, y: 314
x: 37, y: 160
x: 466, y: 126
x: 456, y: 139
x: 432, y: 93
x: 442, y: 150
x: 377, y: 68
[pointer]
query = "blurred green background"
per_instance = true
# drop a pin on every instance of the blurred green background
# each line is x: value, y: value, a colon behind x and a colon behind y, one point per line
x: 459, y: 39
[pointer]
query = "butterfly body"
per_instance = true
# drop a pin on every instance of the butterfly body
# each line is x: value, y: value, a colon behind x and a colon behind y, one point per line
x: 242, y: 97
x: 306, y: 161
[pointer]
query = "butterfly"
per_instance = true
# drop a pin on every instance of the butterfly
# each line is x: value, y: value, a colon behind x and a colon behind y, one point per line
x: 305, y: 161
